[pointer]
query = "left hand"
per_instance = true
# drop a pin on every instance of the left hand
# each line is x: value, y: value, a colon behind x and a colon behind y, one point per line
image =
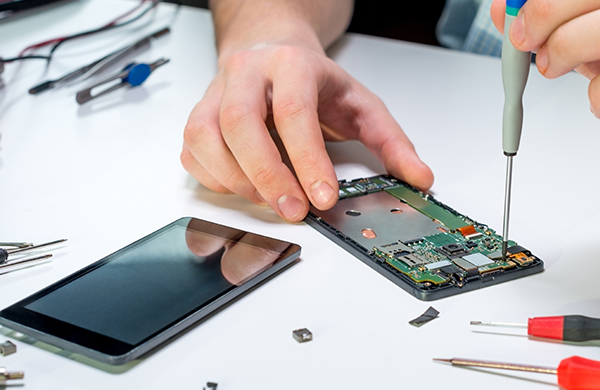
x: 565, y: 34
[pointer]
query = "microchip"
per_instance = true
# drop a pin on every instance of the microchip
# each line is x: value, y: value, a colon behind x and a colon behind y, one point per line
x: 470, y: 244
x: 478, y: 260
x: 470, y: 268
x: 450, y: 269
x: 302, y: 335
x: 452, y: 250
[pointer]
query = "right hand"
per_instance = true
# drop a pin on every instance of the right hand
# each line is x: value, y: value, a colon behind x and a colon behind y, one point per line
x: 309, y: 99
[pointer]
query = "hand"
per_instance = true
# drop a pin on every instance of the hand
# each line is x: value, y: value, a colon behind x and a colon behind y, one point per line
x: 310, y: 100
x: 565, y: 35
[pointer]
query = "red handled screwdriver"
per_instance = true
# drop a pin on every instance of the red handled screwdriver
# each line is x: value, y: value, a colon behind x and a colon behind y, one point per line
x: 567, y: 328
x: 574, y: 373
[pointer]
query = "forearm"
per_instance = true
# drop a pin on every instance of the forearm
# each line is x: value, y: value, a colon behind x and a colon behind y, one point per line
x: 244, y: 24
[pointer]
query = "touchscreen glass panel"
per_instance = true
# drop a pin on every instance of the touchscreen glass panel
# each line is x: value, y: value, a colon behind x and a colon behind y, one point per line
x: 140, y: 291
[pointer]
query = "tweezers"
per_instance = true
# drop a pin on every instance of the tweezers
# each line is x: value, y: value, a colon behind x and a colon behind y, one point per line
x: 87, y: 71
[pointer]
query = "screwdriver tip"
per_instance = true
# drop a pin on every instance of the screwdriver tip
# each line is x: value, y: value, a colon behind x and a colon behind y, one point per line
x: 443, y: 360
x: 476, y: 323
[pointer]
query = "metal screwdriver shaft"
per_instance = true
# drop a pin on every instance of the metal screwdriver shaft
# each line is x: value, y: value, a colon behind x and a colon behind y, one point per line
x: 498, y: 365
x: 515, y: 70
x: 507, y: 191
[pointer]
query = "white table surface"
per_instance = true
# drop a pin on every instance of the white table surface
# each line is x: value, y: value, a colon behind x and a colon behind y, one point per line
x: 107, y: 173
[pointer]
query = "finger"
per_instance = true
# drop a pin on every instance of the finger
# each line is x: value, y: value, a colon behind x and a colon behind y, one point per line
x: 242, y: 119
x: 204, y: 144
x: 538, y: 19
x: 194, y: 168
x: 594, y: 95
x: 571, y: 45
x: 295, y: 101
x: 497, y: 11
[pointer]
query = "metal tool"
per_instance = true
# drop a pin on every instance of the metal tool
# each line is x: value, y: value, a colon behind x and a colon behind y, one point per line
x: 132, y: 75
x: 8, y: 265
x: 566, y: 328
x: 574, y: 373
x: 5, y: 253
x: 97, y: 66
x: 515, y: 70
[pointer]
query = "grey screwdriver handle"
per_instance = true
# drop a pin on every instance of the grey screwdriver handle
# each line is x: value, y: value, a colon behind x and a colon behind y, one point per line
x: 515, y: 70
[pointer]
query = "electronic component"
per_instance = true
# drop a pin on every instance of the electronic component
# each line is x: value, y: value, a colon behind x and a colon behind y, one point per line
x: 437, y: 265
x: 430, y: 314
x: 478, y: 260
x: 7, y: 348
x: 211, y: 386
x: 422, y: 245
x: 465, y: 265
x: 9, y: 375
x: 302, y: 335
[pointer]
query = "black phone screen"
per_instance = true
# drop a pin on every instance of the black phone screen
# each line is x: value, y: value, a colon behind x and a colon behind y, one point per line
x: 140, y: 291
x: 150, y: 286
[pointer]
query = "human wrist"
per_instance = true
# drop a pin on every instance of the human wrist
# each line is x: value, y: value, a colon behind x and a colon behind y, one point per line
x: 287, y: 34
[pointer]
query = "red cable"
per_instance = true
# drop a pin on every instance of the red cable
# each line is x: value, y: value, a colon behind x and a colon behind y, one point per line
x: 60, y: 39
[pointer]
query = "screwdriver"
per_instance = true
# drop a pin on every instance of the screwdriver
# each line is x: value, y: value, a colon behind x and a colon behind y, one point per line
x: 574, y: 373
x: 566, y: 328
x: 515, y: 70
x: 4, y: 253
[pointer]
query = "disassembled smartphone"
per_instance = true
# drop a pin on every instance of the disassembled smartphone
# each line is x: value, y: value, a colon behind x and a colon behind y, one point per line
x: 417, y: 242
x: 129, y: 302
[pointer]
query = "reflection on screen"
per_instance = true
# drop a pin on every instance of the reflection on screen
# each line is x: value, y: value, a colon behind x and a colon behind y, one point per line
x: 143, y: 290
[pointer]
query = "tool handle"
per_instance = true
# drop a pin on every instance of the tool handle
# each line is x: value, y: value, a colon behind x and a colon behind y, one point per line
x: 577, y: 373
x: 515, y: 71
x: 567, y: 328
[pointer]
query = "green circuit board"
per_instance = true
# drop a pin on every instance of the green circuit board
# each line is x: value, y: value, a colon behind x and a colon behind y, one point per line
x: 410, y: 234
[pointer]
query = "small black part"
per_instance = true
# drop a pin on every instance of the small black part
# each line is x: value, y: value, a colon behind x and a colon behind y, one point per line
x: 302, y: 335
x: 424, y: 318
x: 472, y: 272
x: 449, y: 269
x: 470, y: 244
x: 518, y: 249
x: 212, y: 385
x: 453, y: 248
x: 3, y: 255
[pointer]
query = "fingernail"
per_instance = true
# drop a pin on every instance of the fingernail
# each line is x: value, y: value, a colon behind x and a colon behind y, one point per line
x: 541, y: 60
x: 517, y: 30
x: 290, y: 207
x: 262, y: 200
x: 321, y: 193
x: 593, y: 112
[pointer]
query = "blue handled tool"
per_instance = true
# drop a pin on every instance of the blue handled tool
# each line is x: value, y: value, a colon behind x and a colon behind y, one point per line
x: 131, y: 76
x: 515, y: 70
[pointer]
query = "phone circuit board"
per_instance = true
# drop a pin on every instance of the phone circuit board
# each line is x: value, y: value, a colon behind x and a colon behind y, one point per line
x: 427, y: 248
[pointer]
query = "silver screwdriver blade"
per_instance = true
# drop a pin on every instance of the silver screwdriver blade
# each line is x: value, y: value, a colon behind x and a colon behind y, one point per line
x: 507, y: 191
x: 499, y: 324
x: 499, y: 365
